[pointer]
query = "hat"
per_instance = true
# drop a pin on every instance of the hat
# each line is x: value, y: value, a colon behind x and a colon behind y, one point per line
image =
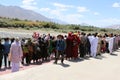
x: 76, y: 34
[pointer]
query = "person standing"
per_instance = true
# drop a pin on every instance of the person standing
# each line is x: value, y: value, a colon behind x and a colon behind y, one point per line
x: 88, y: 45
x: 69, y: 46
x: 103, y: 44
x: 76, y: 42
x: 82, y: 45
x: 107, y: 43
x: 1, y: 53
x: 94, y: 45
x: 6, y: 51
x: 99, y: 44
x: 111, y: 42
x: 91, y: 37
x: 16, y: 54
x: 60, y: 47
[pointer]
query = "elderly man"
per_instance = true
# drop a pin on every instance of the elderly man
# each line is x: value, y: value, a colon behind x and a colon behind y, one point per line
x: 16, y: 54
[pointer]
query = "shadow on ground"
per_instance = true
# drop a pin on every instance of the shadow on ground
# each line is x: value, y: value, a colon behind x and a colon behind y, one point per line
x: 76, y: 60
x: 114, y: 54
x: 64, y: 65
x: 100, y: 57
x: 3, y: 69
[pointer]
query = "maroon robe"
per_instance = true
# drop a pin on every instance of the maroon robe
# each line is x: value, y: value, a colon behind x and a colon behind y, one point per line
x: 76, y: 42
x: 69, y: 44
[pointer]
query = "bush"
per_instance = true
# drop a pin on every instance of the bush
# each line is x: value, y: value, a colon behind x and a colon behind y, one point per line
x: 103, y: 30
x: 27, y: 28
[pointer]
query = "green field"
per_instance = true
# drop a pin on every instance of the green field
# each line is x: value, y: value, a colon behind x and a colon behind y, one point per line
x: 51, y: 26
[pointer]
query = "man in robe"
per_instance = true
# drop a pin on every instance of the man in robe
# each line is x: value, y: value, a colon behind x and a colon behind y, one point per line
x: 69, y: 45
x: 16, y: 54
x: 90, y: 37
x: 111, y: 42
x: 76, y: 42
x: 94, y: 44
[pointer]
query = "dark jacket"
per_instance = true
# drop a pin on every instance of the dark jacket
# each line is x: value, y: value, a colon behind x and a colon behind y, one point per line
x: 60, y: 45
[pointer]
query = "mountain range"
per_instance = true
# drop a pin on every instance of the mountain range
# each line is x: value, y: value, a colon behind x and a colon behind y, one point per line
x: 20, y: 13
x: 117, y: 26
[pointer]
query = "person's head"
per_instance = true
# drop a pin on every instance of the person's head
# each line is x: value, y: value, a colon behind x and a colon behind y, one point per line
x: 59, y: 37
x: 89, y: 34
x: 12, y: 40
x: 6, y: 39
x: 99, y: 35
x: 111, y: 35
x: 106, y: 35
x: 17, y: 39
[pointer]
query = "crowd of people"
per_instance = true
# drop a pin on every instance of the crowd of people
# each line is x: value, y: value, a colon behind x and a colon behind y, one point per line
x: 47, y: 47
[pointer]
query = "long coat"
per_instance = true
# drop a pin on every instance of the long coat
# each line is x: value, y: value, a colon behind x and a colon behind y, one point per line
x: 16, y: 52
x: 69, y: 45
x: 76, y: 42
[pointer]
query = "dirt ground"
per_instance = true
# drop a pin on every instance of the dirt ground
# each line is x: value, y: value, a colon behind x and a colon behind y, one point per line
x: 105, y: 67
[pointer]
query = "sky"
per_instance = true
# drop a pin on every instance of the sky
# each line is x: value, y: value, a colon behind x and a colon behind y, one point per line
x: 100, y: 13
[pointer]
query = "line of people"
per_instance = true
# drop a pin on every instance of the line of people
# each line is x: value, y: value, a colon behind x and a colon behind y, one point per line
x: 47, y: 47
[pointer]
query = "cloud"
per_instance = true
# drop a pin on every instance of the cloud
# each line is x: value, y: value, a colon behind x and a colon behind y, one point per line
x: 45, y: 9
x: 53, y: 13
x: 82, y: 9
x: 96, y: 13
x: 72, y: 18
x: 62, y: 7
x: 29, y: 4
x: 111, y: 20
x: 116, y: 5
x: 69, y: 17
x: 58, y: 11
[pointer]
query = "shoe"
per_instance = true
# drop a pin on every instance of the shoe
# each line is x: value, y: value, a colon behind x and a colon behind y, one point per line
x: 62, y: 62
x: 55, y: 62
